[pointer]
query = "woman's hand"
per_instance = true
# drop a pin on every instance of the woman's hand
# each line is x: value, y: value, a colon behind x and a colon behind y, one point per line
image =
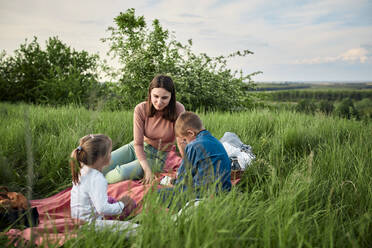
x: 148, y: 177
x: 129, y: 205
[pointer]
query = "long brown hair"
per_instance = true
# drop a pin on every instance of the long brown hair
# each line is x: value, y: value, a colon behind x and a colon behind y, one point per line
x: 91, y: 148
x: 165, y: 82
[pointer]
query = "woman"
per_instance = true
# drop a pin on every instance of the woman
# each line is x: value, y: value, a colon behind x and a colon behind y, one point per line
x: 153, y: 132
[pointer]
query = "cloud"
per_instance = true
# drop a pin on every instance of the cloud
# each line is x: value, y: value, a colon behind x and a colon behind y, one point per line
x: 278, y: 32
x: 188, y: 15
x: 369, y: 49
x: 352, y: 55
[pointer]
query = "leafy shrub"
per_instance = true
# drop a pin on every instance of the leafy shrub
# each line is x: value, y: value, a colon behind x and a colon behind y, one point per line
x: 326, y: 107
x: 346, y: 109
x: 306, y: 106
x: 364, y: 108
x: 57, y: 75
x: 202, y: 82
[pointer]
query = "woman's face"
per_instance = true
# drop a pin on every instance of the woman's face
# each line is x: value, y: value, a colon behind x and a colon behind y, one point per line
x: 160, y: 98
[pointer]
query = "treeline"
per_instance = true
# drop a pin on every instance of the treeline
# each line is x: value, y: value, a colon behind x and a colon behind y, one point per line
x: 296, y: 87
x: 329, y: 95
x: 60, y: 75
x: 350, y: 104
x: 345, y: 108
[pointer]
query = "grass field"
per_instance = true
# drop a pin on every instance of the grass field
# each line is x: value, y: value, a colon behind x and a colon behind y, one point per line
x: 310, y: 185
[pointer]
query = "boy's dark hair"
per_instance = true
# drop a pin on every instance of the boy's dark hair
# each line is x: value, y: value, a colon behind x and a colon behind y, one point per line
x: 187, y: 120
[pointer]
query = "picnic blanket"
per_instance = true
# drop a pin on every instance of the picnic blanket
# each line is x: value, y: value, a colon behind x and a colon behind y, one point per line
x: 56, y: 225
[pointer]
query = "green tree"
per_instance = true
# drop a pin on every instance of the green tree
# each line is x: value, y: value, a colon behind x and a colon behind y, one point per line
x: 201, y: 81
x: 346, y: 109
x: 306, y: 106
x: 56, y: 75
x: 326, y: 107
x: 364, y: 108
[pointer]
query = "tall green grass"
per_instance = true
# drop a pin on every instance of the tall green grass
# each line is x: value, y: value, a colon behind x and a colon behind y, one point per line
x: 310, y: 185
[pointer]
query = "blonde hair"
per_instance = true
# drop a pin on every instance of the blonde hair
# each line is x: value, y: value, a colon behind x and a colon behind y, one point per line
x: 187, y: 120
x: 91, y: 148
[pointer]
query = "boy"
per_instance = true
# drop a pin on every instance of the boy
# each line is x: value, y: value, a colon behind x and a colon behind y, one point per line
x: 205, y: 160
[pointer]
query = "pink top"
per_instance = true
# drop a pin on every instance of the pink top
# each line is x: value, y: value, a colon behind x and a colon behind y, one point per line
x: 155, y: 131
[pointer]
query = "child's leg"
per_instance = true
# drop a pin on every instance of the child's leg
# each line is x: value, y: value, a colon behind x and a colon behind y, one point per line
x: 166, y: 195
x: 174, y: 196
x: 118, y: 226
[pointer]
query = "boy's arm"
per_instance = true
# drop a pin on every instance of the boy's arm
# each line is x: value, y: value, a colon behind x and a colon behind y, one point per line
x: 180, y: 173
x: 181, y: 146
x: 186, y: 170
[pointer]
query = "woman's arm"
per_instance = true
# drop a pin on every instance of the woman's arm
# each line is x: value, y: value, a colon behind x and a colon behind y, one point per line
x: 138, y: 135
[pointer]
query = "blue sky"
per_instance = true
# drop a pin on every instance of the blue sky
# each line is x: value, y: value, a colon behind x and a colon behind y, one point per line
x: 318, y: 40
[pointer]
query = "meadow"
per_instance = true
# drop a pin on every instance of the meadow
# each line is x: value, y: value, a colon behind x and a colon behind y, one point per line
x: 310, y: 185
x: 347, y: 100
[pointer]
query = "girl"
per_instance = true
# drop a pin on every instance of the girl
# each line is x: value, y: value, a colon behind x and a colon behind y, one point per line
x: 89, y: 200
x: 153, y: 132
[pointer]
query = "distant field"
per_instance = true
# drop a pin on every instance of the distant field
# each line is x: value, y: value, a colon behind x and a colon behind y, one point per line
x: 330, y: 94
x: 350, y: 100
x: 312, y: 86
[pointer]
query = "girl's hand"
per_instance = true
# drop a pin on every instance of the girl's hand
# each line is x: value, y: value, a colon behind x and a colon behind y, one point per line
x: 129, y: 205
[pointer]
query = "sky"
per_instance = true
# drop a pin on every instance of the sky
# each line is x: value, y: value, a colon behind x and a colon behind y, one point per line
x: 303, y: 40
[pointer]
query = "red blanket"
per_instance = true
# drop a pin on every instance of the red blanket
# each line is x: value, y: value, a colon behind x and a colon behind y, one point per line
x: 56, y: 225
x: 58, y: 206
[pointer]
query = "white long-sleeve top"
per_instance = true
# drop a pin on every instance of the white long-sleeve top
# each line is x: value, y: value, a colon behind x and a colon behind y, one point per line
x: 89, y: 200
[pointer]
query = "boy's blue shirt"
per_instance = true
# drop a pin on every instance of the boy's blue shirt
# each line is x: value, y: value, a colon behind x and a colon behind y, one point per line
x: 209, y: 162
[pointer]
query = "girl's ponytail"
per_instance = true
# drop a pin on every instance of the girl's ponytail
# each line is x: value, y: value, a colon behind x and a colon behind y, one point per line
x: 75, y: 164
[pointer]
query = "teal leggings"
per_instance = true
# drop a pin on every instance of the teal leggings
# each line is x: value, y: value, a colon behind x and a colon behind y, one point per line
x: 124, y: 164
